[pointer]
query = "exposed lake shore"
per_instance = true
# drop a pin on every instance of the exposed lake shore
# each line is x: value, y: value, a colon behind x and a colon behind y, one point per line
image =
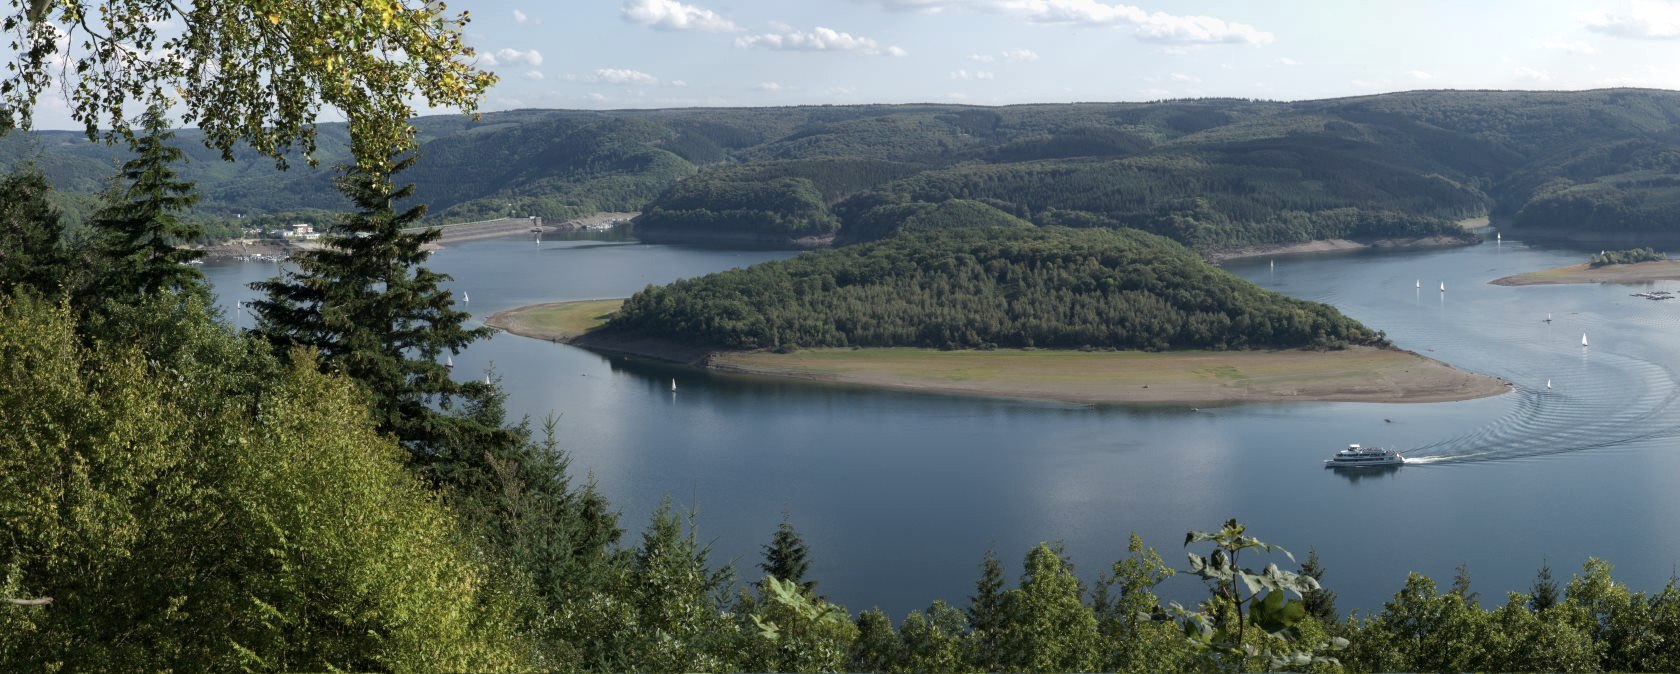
x: 1334, y: 245
x: 1639, y: 272
x: 1359, y: 374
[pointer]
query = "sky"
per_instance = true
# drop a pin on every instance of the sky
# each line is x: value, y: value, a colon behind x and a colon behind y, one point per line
x: 606, y: 54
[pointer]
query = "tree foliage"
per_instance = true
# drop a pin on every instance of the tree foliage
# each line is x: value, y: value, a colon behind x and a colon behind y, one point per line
x: 32, y: 254
x: 1630, y: 256
x: 979, y: 287
x: 257, y: 74
x: 217, y: 511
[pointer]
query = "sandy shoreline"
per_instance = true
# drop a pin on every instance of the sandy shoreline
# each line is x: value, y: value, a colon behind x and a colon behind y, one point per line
x: 1640, y: 272
x: 1333, y: 245
x: 1359, y: 374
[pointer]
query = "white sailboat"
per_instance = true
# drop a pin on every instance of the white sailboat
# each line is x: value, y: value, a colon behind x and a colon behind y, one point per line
x: 1548, y: 317
x: 1583, y: 339
x: 1420, y: 284
x: 1548, y: 384
x: 449, y: 361
x: 673, y: 386
x: 1443, y: 286
x: 464, y: 298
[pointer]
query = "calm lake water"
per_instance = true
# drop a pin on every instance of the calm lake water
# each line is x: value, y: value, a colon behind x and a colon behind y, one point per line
x: 899, y: 495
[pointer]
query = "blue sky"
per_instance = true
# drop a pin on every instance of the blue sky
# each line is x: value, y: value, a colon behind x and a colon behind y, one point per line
x: 663, y: 53
x: 603, y: 54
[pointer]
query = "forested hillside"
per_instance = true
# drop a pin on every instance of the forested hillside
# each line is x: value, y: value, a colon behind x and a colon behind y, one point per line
x: 1208, y: 173
x: 978, y: 287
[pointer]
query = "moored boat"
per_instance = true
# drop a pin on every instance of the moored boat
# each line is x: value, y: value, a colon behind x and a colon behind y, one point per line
x: 1364, y: 457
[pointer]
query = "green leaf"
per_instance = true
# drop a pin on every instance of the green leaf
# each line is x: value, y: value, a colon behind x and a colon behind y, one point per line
x: 1276, y: 612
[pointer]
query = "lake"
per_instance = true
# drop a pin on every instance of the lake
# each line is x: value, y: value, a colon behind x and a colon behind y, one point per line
x: 899, y: 495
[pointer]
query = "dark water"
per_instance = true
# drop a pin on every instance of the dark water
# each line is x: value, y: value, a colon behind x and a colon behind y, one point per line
x: 899, y: 495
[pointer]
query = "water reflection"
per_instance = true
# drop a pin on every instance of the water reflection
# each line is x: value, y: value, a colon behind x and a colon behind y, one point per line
x: 1357, y: 475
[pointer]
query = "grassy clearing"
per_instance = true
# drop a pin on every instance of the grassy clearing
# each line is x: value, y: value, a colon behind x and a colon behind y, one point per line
x: 555, y: 320
x: 1358, y: 374
x: 1662, y: 270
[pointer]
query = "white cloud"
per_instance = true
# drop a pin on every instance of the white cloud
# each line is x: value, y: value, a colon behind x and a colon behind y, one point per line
x: 533, y: 75
x: 818, y: 39
x: 673, y: 15
x: 957, y: 96
x: 770, y: 86
x: 1642, y: 19
x: 1146, y: 25
x: 1419, y: 75
x: 511, y: 57
x: 897, y: 52
x: 1155, y: 93
x: 595, y: 97
x: 679, y: 83
x: 1181, y: 77
x: 976, y: 75
x: 1285, y: 60
x: 1527, y: 73
x: 519, y: 17
x: 1574, y: 47
x: 621, y: 76
x: 1019, y: 55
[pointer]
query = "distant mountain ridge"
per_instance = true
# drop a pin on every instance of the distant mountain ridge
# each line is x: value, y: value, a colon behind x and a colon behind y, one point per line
x: 1208, y: 173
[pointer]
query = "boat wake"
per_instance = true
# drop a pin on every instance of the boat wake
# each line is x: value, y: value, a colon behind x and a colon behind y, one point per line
x: 1609, y: 400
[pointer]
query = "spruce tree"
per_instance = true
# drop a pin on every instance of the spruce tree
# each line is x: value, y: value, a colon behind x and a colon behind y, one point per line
x: 786, y: 557
x: 31, y: 254
x: 372, y: 311
x: 137, y: 228
x: 985, y: 613
x: 1544, y: 593
x: 1320, y: 603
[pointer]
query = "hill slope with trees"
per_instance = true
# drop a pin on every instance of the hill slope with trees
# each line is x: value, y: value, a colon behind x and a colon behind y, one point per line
x: 1210, y: 173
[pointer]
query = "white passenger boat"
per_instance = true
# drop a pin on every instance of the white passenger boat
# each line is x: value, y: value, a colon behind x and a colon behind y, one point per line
x: 1362, y: 457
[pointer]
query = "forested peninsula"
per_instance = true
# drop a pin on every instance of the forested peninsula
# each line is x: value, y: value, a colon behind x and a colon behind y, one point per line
x: 981, y: 287
x: 1010, y: 311
x: 1213, y: 174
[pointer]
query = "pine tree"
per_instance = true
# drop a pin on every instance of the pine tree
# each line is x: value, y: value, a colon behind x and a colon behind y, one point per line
x: 786, y: 557
x: 1544, y: 593
x: 138, y: 230
x: 1320, y: 603
x: 365, y: 303
x: 31, y: 255
x: 985, y: 613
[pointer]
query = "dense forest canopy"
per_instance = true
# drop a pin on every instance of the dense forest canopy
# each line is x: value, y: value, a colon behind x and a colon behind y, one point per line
x: 968, y: 287
x: 1208, y: 173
